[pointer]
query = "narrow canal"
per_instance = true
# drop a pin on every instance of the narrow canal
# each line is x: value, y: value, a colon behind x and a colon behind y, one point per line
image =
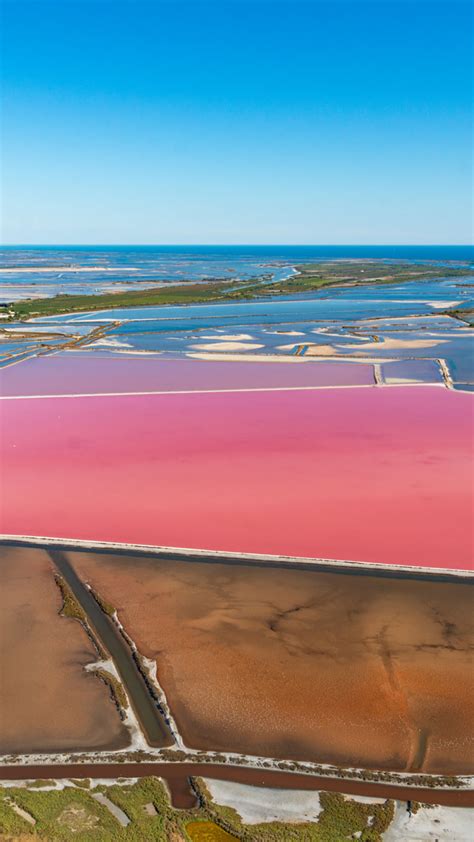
x: 177, y: 778
x: 145, y: 707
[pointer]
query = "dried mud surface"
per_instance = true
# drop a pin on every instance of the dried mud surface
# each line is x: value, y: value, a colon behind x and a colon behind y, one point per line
x: 341, y: 668
x: 47, y: 700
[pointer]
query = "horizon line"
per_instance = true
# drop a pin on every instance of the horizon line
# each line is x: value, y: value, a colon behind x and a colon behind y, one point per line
x: 240, y: 244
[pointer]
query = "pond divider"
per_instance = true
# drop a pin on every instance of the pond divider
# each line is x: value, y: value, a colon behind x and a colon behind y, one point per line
x: 145, y: 706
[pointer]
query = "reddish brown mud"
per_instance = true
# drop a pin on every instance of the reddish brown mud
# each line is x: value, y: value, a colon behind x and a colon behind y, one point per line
x: 338, y: 668
x: 48, y: 702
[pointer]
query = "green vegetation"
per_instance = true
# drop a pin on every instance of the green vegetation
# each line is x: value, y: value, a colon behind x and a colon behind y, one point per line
x: 70, y: 607
x: 179, y: 294
x: 72, y: 813
x: 106, y: 607
x: 116, y: 690
x: 315, y: 276
x: 62, y: 815
x: 310, y: 277
x: 462, y: 314
x: 418, y: 805
x: 339, y: 819
x: 40, y: 784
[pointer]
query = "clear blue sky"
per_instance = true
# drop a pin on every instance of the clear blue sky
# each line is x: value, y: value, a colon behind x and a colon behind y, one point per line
x: 252, y: 121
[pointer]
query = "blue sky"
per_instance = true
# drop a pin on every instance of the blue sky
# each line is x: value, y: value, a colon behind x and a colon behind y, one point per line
x: 248, y: 121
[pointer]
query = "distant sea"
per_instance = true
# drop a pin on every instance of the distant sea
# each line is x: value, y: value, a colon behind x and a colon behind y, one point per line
x: 38, y: 271
x: 259, y: 252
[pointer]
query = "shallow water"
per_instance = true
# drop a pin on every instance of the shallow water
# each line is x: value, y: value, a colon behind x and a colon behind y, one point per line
x: 96, y: 270
x: 78, y: 373
x: 343, y: 321
x: 271, y: 311
x: 258, y: 472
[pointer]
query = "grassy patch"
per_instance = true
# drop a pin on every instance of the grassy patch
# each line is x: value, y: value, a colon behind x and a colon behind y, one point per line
x: 60, y: 815
x: 345, y: 817
x: 72, y: 813
x: 42, y: 783
x: 115, y: 687
x: 10, y: 823
x: 313, y: 277
x: 339, y: 819
x: 70, y: 606
x: 182, y: 294
x: 78, y: 819
x: 72, y: 609
x: 106, y: 607
x: 465, y: 314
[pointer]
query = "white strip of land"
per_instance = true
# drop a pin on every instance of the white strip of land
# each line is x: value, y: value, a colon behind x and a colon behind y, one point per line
x: 193, y: 552
x: 214, y: 391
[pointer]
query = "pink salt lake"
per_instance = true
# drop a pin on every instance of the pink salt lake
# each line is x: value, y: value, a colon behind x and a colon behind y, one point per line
x: 80, y: 373
x: 376, y: 474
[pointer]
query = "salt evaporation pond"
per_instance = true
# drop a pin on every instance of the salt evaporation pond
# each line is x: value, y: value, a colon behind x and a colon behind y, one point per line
x: 70, y: 373
x: 371, y: 474
x: 330, y: 322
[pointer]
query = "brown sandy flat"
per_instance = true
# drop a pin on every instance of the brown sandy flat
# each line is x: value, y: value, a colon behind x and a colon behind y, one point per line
x: 346, y: 669
x: 47, y: 701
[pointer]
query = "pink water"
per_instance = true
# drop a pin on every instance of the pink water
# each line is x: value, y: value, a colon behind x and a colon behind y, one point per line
x: 83, y: 373
x: 376, y: 474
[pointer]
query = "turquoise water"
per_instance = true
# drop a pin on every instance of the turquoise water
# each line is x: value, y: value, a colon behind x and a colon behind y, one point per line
x: 91, y: 270
x: 194, y: 253
x: 344, y: 318
x: 370, y: 301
